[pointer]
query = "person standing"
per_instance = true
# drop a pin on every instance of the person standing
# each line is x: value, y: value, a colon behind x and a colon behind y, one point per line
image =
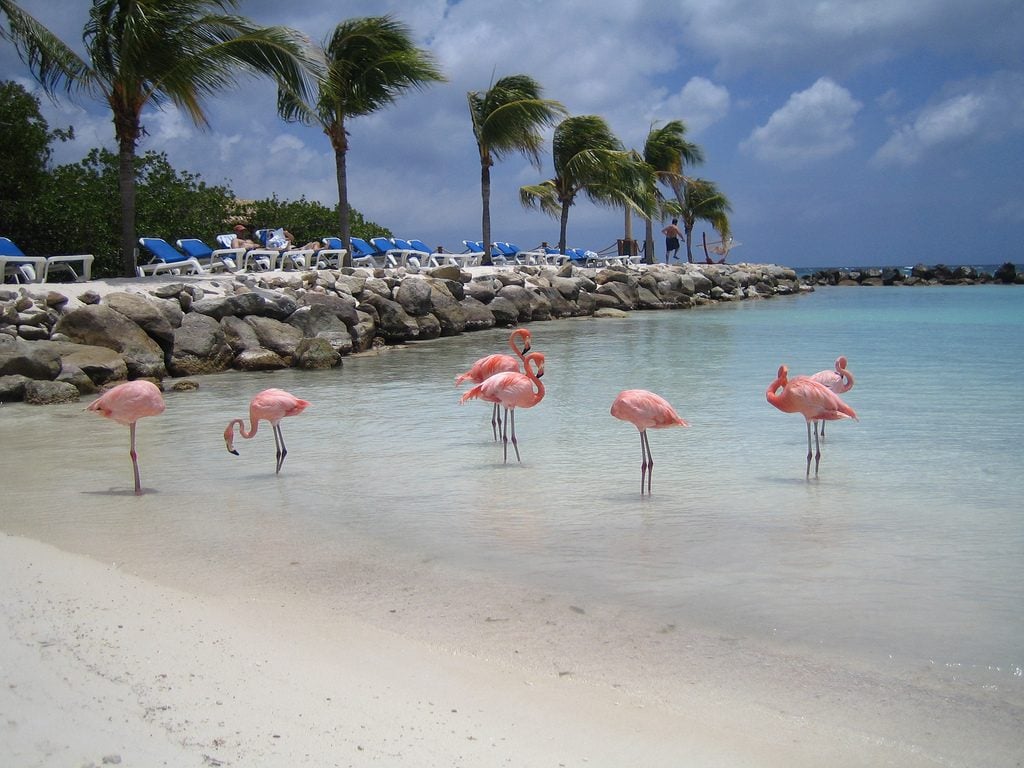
x: 672, y: 234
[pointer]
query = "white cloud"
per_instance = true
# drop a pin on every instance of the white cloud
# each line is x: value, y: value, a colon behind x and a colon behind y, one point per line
x: 975, y: 111
x: 700, y: 103
x: 813, y: 125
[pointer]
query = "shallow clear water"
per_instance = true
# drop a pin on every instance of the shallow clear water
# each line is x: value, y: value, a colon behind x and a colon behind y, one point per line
x: 909, y: 545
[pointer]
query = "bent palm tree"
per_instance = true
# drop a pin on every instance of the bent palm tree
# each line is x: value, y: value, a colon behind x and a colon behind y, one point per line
x: 369, y: 62
x: 667, y: 151
x: 704, y: 202
x: 508, y: 117
x: 588, y: 158
x: 151, y: 52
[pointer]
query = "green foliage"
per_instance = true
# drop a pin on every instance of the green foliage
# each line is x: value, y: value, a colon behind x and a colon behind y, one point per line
x: 25, y: 139
x: 75, y: 208
x: 306, y: 219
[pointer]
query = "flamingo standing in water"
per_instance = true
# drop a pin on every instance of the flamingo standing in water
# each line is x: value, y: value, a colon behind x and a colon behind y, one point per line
x: 512, y: 390
x: 839, y: 380
x: 488, y: 366
x: 645, y: 410
x: 814, y: 401
x: 126, y: 404
x: 269, y: 405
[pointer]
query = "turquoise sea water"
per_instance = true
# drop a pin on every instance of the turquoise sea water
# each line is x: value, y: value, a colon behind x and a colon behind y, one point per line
x: 904, y: 557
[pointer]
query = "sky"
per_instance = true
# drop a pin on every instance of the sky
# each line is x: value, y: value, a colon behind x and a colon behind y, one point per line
x: 843, y: 132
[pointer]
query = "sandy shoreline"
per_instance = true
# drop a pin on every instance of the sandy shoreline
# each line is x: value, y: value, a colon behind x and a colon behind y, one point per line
x: 101, y: 666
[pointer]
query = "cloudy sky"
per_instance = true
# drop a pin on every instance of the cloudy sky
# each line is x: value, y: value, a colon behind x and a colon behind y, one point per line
x: 844, y: 132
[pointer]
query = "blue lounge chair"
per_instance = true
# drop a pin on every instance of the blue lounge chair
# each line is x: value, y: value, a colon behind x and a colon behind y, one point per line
x: 332, y: 255
x: 214, y: 260
x: 364, y: 254
x: 14, y: 263
x: 166, y: 259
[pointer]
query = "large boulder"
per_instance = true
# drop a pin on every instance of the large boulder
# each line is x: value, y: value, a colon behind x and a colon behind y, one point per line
x: 199, y: 347
x: 478, y: 315
x: 12, y: 388
x: 34, y: 360
x: 343, y: 305
x: 448, y: 312
x: 394, y: 323
x: 316, y: 354
x: 313, y: 320
x: 159, y: 322
x: 414, y: 296
x: 504, y: 311
x: 520, y: 297
x: 276, y: 336
x: 50, y: 392
x: 257, y: 303
x: 105, y: 327
x: 100, y: 364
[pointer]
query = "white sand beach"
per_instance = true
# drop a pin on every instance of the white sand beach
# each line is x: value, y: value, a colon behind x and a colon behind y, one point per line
x: 101, y: 667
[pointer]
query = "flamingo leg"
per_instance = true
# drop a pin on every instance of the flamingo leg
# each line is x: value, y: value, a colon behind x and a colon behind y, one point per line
x: 135, y: 459
x: 817, y: 447
x: 646, y: 462
x: 504, y: 437
x: 515, y: 443
x: 496, y: 420
x: 279, y: 446
x: 809, y: 454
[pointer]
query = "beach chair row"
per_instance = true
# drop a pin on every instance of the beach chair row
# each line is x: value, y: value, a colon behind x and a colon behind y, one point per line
x: 17, y: 267
x: 194, y: 256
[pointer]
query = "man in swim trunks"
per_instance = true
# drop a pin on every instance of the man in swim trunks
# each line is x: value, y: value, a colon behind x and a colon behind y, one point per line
x: 672, y: 234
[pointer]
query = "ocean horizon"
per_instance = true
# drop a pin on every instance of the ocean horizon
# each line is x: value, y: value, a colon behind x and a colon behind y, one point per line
x: 883, y: 595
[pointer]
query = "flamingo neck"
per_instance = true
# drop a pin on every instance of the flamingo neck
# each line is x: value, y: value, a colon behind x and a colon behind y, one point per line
x: 520, y: 353
x: 240, y: 423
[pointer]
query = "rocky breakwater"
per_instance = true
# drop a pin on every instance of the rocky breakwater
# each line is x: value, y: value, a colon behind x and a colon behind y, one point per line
x: 920, y: 274
x: 59, y: 343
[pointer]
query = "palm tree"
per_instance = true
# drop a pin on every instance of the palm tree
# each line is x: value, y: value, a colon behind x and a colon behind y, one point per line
x: 704, y: 202
x: 508, y: 117
x: 588, y: 158
x: 143, y: 53
x: 667, y: 151
x: 369, y: 63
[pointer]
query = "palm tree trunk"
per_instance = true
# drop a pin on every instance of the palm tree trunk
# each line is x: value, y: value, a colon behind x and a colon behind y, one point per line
x: 648, y: 240
x: 337, y: 137
x: 343, y: 212
x: 563, y: 225
x: 485, y: 223
x: 126, y: 185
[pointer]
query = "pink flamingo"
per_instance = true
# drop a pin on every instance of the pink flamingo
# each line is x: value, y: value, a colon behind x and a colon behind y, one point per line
x: 512, y: 390
x: 645, y: 410
x: 488, y: 366
x: 269, y: 405
x: 127, y: 403
x: 839, y: 380
x: 814, y: 401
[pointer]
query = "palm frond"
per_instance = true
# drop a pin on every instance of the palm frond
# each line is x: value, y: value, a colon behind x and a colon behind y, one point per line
x: 54, y: 63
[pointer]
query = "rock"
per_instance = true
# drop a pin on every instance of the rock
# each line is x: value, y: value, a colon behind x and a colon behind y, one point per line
x: 101, y: 364
x: 12, y: 387
x: 415, y: 296
x: 478, y: 316
x: 258, y: 303
x: 316, y: 319
x: 239, y: 335
x: 275, y: 335
x: 430, y: 327
x: 343, y: 305
x: 316, y: 354
x: 89, y: 297
x: 50, y: 392
x: 1007, y: 273
x: 448, y: 312
x: 505, y: 312
x: 145, y: 313
x: 259, y: 359
x: 520, y: 297
x: 185, y: 385
x: 395, y: 324
x: 605, y: 312
x: 33, y: 360
x: 199, y: 347
x: 104, y: 327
